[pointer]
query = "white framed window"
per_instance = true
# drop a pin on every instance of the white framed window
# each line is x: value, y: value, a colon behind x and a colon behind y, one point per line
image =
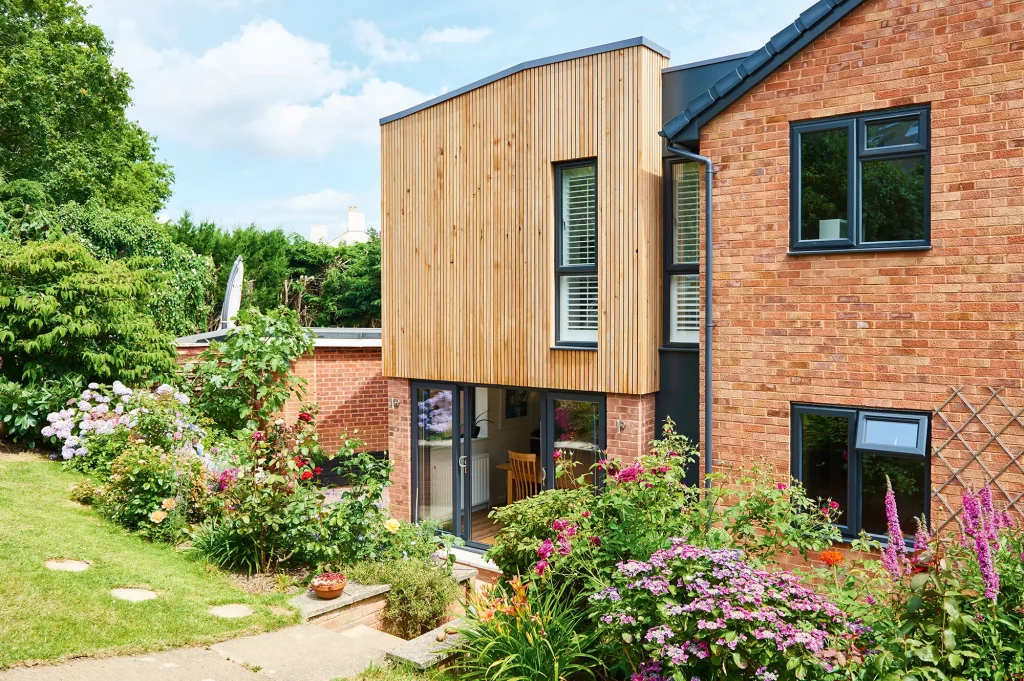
x: 682, y: 261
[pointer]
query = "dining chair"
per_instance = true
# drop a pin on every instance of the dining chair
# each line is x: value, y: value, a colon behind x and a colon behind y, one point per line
x: 525, y: 475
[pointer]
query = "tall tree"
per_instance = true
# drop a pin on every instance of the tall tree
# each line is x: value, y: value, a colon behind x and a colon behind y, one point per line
x: 62, y: 112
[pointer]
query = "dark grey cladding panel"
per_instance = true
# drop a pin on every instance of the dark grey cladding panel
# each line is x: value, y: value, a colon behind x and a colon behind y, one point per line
x: 685, y: 126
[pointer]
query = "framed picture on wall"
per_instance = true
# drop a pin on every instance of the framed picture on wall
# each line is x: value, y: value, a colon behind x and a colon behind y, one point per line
x: 515, y: 407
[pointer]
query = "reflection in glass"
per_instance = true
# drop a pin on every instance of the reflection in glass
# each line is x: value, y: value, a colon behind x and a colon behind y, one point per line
x: 893, y: 133
x: 434, y: 417
x: 824, y: 185
x: 577, y: 437
x: 908, y: 482
x: 893, y: 199
x: 826, y: 459
x: 890, y: 433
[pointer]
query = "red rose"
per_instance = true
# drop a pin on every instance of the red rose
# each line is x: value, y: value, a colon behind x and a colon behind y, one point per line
x: 258, y: 436
x: 317, y: 470
x: 304, y: 416
x: 306, y: 475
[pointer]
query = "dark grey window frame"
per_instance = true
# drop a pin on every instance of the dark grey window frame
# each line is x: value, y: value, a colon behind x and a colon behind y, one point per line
x: 858, y: 153
x: 463, y: 444
x: 854, y: 514
x: 563, y: 270
x: 671, y: 267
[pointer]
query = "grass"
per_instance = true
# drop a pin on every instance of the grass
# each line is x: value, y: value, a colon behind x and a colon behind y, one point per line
x: 399, y: 673
x: 47, y: 615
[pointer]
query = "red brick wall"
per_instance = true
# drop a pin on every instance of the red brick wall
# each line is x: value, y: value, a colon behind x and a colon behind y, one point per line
x: 873, y: 329
x: 636, y: 413
x: 399, y: 447
x: 348, y: 385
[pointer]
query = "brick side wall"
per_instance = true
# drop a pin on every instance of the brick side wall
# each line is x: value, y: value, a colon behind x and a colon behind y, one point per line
x: 636, y: 412
x: 885, y: 330
x: 348, y: 385
x: 400, y: 448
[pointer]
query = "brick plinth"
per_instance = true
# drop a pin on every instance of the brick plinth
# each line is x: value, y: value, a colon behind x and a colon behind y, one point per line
x: 399, y: 413
x: 630, y: 426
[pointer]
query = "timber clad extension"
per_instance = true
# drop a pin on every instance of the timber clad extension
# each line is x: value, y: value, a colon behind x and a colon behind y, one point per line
x: 469, y: 213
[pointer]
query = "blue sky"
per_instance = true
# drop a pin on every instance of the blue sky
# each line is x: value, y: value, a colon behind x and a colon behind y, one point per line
x: 268, y: 109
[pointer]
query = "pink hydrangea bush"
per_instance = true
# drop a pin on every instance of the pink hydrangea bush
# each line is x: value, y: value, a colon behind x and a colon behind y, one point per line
x: 95, y: 427
x: 691, y: 612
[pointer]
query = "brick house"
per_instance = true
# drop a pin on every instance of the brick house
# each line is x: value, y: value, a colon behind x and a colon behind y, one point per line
x: 545, y: 263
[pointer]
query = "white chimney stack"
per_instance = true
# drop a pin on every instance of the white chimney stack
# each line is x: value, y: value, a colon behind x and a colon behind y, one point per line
x: 355, y: 228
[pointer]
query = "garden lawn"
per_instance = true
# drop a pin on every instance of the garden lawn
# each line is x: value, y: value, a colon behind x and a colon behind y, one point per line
x: 389, y: 672
x: 47, y: 615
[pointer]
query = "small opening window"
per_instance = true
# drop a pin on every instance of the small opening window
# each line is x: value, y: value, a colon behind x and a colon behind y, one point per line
x: 850, y: 456
x: 682, y: 254
x: 861, y: 182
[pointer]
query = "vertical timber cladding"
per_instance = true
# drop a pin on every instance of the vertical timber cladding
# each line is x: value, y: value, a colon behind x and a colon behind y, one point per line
x: 468, y: 222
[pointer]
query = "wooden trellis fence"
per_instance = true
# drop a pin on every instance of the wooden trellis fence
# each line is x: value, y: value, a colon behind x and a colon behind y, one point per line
x: 975, y: 445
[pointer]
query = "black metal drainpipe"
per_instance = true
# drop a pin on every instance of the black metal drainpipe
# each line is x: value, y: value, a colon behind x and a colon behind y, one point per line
x: 708, y: 323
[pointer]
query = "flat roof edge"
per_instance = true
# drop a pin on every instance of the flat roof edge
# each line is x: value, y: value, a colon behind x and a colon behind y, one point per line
x: 706, y: 62
x: 534, y: 63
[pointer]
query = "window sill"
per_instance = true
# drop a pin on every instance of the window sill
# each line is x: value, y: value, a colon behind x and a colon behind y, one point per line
x: 843, y: 251
x: 566, y: 346
x: 693, y: 347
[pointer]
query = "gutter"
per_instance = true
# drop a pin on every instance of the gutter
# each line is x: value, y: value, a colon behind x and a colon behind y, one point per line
x: 708, y: 324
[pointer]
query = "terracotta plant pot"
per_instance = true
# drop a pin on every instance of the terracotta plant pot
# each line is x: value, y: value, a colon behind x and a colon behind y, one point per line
x: 328, y: 592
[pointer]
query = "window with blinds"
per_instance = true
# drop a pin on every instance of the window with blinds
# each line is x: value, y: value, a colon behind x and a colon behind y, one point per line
x: 576, y: 265
x: 685, y: 312
x: 682, y: 261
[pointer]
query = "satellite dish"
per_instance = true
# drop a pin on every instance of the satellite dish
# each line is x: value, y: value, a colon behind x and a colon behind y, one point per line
x: 233, y: 295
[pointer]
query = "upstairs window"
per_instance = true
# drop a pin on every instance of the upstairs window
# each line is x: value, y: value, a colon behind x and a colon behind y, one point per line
x: 682, y: 256
x: 846, y: 455
x: 576, y: 253
x: 861, y: 182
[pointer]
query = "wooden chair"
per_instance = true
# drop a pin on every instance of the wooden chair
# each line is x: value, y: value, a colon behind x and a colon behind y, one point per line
x: 524, y: 475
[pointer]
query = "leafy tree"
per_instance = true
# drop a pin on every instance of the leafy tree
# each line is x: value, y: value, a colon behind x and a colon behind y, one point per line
x: 66, y: 313
x: 62, y: 114
x: 182, y: 303
x: 244, y: 380
x: 350, y: 293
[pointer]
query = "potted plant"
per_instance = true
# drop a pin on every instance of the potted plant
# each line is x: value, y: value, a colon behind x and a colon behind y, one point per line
x: 477, y: 421
x: 328, y: 585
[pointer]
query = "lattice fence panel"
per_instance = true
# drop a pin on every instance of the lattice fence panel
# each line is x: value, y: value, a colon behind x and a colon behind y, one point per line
x: 977, y: 440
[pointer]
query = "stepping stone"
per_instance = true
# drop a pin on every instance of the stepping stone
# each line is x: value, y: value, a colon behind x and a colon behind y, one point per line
x: 68, y: 565
x: 231, y: 611
x: 133, y: 595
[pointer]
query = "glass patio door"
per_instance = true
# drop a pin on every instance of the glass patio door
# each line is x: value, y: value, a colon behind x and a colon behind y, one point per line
x: 439, y: 465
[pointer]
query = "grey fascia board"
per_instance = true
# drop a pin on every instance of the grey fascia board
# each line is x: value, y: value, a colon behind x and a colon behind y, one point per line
x: 565, y: 56
x: 783, y: 46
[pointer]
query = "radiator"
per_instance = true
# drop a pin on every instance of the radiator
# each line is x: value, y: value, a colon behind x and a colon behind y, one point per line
x: 439, y: 505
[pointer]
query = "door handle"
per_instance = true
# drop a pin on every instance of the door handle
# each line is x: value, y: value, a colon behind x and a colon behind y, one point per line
x: 543, y: 474
x: 462, y: 462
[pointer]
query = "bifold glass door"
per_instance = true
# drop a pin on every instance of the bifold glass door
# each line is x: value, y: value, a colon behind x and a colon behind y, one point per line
x: 480, y: 448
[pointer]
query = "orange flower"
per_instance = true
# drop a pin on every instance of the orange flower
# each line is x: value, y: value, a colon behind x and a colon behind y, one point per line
x: 831, y: 557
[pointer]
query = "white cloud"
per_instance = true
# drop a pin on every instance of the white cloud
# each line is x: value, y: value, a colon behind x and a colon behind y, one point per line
x: 454, y: 34
x: 265, y: 89
x: 327, y: 202
x: 368, y: 38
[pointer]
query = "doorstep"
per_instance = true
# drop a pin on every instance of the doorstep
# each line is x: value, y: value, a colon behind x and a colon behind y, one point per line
x: 486, y: 570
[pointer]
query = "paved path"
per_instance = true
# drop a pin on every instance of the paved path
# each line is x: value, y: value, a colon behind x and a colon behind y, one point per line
x: 307, y: 652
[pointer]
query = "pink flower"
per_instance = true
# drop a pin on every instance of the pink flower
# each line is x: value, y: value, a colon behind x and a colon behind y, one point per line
x: 781, y: 486
x: 596, y: 541
x: 258, y: 436
x: 540, y: 568
x: 546, y: 549
x: 586, y: 514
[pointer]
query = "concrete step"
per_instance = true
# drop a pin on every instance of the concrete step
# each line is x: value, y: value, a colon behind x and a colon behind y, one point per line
x: 425, y: 652
x: 309, y: 652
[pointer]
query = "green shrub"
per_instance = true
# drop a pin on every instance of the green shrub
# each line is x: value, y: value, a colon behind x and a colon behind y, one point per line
x: 23, y: 409
x: 422, y: 593
x: 87, y: 492
x: 145, y: 490
x: 66, y: 313
x: 271, y: 508
x: 244, y: 380
x: 524, y: 632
